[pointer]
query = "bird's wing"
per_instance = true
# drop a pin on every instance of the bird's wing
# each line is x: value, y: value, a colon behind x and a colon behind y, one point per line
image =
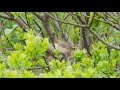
x: 65, y: 45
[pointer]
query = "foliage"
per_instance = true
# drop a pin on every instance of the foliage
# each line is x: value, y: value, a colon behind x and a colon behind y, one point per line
x: 24, y: 54
x: 30, y: 55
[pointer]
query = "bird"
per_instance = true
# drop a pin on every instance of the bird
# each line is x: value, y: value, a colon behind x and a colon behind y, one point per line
x: 63, y: 46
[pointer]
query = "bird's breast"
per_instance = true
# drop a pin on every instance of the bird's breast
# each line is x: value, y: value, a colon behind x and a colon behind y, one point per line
x: 61, y: 49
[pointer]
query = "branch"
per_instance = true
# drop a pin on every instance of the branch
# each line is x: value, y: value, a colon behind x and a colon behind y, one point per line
x: 106, y: 18
x: 74, y: 17
x: 59, y: 28
x: 103, y: 41
x: 65, y: 22
x: 42, y: 67
x: 19, y: 22
x: 46, y: 63
x: 66, y: 16
x: 9, y: 16
x: 111, y: 16
x: 48, y: 29
x: 45, y: 20
x: 27, y: 20
x: 8, y: 40
x: 92, y: 20
x: 23, y: 20
x: 108, y: 22
x: 41, y: 32
x: 6, y: 36
x: 40, y: 16
x: 5, y: 16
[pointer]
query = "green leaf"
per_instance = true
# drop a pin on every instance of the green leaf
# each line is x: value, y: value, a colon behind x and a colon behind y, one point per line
x: 8, y: 31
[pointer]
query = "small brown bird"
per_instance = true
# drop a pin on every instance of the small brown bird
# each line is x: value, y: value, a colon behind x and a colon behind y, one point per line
x: 63, y: 47
x: 117, y: 26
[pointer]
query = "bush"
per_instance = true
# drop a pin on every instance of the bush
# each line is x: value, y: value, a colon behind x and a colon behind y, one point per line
x: 23, y: 62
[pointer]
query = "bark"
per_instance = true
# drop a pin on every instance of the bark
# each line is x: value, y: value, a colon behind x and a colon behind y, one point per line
x: 85, y: 38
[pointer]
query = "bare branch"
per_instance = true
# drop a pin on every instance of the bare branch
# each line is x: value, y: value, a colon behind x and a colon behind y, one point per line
x: 74, y: 17
x: 19, y: 22
x: 40, y: 16
x: 111, y: 16
x: 5, y: 16
x: 42, y: 67
x: 27, y: 20
x: 103, y: 41
x: 65, y: 22
x: 92, y: 20
x: 41, y: 32
x: 108, y: 22
x: 6, y: 36
x: 67, y: 16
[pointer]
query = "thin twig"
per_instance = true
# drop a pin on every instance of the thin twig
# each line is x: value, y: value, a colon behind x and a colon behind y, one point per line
x: 106, y: 15
x: 111, y: 16
x: 74, y: 17
x: 46, y: 63
x: 27, y: 19
x: 7, y: 38
x: 65, y: 22
x: 92, y: 19
x: 67, y: 16
x: 19, y: 21
x: 103, y: 41
x: 108, y: 22
x: 42, y: 67
x: 38, y: 15
x: 99, y: 19
x: 37, y: 24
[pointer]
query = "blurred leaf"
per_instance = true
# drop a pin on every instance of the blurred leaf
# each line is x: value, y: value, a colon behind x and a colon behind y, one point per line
x: 8, y: 31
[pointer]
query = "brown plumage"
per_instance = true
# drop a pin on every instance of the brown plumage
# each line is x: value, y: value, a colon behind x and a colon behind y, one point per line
x: 63, y: 46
